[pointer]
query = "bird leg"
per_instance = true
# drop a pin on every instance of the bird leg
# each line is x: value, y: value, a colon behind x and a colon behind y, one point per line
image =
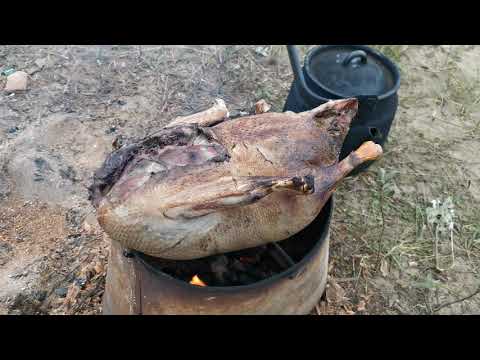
x: 335, y: 173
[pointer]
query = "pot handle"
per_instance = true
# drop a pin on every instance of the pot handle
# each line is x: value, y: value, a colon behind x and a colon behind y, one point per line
x: 368, y: 100
x: 298, y: 73
x: 369, y: 133
x: 362, y: 55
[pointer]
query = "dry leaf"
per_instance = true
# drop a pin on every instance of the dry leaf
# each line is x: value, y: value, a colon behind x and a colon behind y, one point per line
x: 88, y: 271
x: 323, y: 307
x: 361, y: 306
x: 72, y: 295
x: 99, y: 269
x: 87, y: 228
x: 334, y: 292
x: 384, y: 268
x: 261, y: 107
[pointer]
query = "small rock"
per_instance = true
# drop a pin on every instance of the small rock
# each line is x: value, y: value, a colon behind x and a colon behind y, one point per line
x: 16, y: 82
x: 262, y: 50
x: 72, y: 294
x: 384, y: 268
x: 41, y: 295
x: 99, y: 268
x: 261, y: 107
x: 8, y: 71
x: 238, y: 113
x: 73, y: 218
x: 74, y: 239
x: 271, y: 60
x: 87, y: 227
x: 69, y: 173
x: 32, y: 70
x: 361, y: 306
x: 112, y: 129
x: 334, y: 292
x: 61, y: 292
x: 5, y: 247
x: 41, y: 62
x: 18, y: 274
x: 80, y: 282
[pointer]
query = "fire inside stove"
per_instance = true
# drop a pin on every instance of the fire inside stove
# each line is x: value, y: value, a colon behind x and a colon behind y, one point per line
x: 237, y: 268
x: 197, y: 281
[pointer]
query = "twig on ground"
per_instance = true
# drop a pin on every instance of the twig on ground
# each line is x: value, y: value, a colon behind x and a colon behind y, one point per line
x: 441, y: 306
x: 380, y: 239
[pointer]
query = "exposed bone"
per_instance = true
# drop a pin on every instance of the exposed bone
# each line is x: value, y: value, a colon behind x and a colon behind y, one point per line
x: 366, y: 152
x: 262, y: 106
x: 217, y: 113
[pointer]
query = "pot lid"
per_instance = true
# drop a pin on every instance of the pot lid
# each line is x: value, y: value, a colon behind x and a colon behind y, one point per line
x: 352, y: 70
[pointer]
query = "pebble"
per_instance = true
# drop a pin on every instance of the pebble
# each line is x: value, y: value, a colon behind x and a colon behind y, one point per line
x: 87, y: 227
x: 112, y: 129
x: 61, y: 292
x: 40, y: 295
x: 16, y: 82
x: 5, y: 247
x: 80, y: 282
x: 262, y: 107
x: 18, y: 275
x: 99, y: 268
x: 41, y: 62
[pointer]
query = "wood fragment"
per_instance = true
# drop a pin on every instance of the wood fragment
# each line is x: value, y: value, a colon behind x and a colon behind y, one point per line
x: 441, y: 306
x: 215, y: 114
x: 262, y: 107
x: 280, y: 256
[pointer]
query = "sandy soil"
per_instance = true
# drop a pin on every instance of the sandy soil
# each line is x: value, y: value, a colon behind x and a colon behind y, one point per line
x: 53, y: 255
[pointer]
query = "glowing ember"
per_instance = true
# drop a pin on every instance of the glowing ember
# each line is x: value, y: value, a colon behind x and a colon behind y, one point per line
x: 196, y: 281
x: 247, y: 259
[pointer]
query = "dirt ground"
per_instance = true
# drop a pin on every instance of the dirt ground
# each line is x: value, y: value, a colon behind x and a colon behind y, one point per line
x: 393, y: 251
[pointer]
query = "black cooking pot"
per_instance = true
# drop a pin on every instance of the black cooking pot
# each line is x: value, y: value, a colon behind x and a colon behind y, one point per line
x: 344, y: 71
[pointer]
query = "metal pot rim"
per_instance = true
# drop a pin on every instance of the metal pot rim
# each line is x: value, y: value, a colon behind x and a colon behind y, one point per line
x: 388, y: 63
x: 271, y: 280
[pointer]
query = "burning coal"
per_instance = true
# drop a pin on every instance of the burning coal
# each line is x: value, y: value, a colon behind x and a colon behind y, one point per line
x: 197, y: 281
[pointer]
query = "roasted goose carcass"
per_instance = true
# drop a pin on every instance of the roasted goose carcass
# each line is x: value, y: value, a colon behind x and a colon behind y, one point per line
x: 206, y: 184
